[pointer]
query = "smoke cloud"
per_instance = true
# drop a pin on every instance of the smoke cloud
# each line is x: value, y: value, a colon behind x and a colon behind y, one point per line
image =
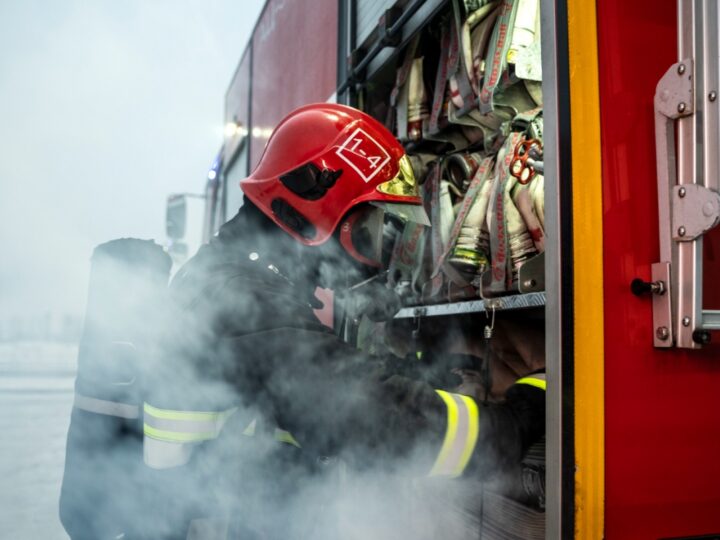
x: 231, y: 337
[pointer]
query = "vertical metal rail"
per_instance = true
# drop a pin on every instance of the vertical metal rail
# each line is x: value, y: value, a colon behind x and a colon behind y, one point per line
x: 343, y: 48
x: 688, y: 254
x: 688, y: 183
x: 558, y: 345
x: 248, y: 138
x: 708, y: 104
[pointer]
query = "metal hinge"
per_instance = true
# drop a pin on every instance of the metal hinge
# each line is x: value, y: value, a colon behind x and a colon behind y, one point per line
x: 695, y: 210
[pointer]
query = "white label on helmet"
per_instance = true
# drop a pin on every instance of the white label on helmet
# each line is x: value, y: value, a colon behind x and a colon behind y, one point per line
x: 364, y: 154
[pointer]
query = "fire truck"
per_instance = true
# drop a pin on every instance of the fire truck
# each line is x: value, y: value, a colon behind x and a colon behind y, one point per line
x: 623, y: 100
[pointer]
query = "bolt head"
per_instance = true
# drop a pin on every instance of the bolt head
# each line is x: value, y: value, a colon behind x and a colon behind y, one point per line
x: 681, y: 69
x: 681, y: 231
x: 253, y: 256
x: 712, y: 96
x: 662, y: 333
x: 681, y: 192
x: 681, y: 107
x: 708, y: 209
x: 686, y: 321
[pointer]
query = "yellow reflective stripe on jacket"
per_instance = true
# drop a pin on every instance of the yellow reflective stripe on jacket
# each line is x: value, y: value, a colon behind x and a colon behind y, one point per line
x: 286, y: 437
x: 170, y: 414
x: 463, y: 425
x: 280, y: 435
x: 183, y: 426
x: 177, y: 436
x: 250, y: 430
x: 537, y: 380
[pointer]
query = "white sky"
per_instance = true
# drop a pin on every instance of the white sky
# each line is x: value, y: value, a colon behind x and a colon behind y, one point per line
x: 106, y: 106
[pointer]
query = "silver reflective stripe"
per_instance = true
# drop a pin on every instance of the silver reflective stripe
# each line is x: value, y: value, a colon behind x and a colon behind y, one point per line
x: 210, y: 426
x: 455, y: 451
x: 165, y: 454
x: 460, y: 437
x: 103, y: 406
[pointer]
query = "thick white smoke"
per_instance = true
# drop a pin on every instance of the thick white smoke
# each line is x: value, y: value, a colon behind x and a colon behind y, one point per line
x: 253, y: 484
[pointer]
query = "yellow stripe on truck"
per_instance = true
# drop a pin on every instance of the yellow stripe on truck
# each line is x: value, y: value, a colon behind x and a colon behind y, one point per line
x: 587, y: 257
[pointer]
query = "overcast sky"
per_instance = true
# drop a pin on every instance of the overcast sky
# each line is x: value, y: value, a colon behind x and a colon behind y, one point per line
x: 106, y: 106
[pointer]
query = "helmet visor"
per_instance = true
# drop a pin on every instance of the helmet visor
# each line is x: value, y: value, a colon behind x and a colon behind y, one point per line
x: 369, y: 232
x: 404, y: 183
x: 406, y: 212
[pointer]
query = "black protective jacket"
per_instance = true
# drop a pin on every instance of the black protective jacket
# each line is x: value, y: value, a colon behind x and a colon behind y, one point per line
x: 243, y: 335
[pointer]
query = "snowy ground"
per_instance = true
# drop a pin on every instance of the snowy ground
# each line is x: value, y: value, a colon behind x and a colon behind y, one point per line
x: 36, y: 394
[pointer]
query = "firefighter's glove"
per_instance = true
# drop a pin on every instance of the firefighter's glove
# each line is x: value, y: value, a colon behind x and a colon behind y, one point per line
x: 443, y: 370
x: 376, y: 301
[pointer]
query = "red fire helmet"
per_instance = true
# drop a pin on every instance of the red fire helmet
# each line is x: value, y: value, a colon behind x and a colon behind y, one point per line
x: 324, y: 159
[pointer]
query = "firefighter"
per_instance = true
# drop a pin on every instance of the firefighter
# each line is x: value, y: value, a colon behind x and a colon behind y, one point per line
x: 251, y: 393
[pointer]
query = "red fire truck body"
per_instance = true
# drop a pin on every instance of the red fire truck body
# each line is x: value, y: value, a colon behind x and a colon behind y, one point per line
x: 661, y: 438
x: 633, y: 422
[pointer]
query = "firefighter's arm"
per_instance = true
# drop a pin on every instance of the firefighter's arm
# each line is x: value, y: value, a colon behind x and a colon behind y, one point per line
x: 484, y: 439
x: 463, y: 436
x: 335, y: 400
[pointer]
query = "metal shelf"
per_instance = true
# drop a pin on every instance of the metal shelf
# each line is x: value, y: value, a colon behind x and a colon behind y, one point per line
x: 517, y: 301
x: 388, y: 39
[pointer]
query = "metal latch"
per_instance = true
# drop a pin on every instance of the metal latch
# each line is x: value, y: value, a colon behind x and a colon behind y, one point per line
x: 695, y: 210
